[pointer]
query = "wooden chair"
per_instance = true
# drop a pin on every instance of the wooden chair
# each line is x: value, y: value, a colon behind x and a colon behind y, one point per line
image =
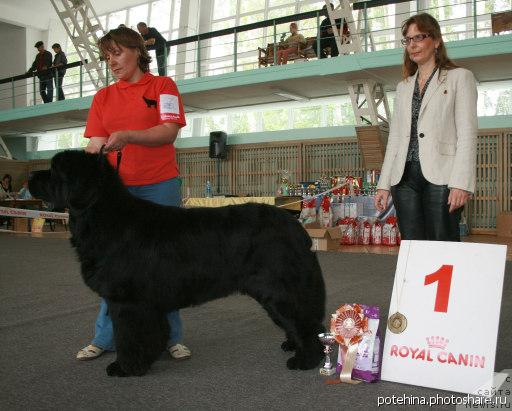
x: 304, y: 52
x: 266, y: 55
x: 501, y: 22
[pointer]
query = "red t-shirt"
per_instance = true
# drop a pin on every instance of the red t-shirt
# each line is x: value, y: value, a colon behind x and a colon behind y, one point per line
x: 138, y: 106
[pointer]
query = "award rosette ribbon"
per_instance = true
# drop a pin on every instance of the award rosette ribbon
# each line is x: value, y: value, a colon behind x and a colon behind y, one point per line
x: 348, y: 325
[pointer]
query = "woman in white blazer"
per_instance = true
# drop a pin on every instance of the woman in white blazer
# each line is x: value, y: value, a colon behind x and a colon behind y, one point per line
x: 430, y: 160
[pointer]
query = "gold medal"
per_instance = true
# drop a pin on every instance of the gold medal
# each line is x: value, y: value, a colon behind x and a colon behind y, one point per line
x: 397, y: 323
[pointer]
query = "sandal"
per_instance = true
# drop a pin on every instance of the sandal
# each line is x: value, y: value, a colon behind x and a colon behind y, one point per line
x: 89, y: 353
x: 179, y: 352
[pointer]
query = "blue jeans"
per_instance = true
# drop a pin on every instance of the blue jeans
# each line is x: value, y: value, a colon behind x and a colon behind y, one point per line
x: 167, y: 192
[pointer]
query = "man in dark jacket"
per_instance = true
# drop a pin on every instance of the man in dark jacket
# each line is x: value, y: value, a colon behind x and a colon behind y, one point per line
x: 41, y: 64
x: 59, y: 61
x: 153, y: 40
x: 327, y: 38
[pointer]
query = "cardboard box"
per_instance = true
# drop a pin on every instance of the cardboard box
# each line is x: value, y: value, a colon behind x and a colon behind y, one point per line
x: 20, y: 224
x: 323, y: 239
x: 504, y: 224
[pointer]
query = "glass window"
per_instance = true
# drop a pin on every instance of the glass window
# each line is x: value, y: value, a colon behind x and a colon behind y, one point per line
x: 281, y: 12
x: 176, y: 14
x: 160, y: 15
x: 215, y: 123
x: 220, y: 46
x: 139, y: 14
x: 252, y: 18
x: 275, y: 3
x: 240, y: 123
x: 115, y: 19
x: 274, y: 120
x: 223, y: 9
x: 249, y: 6
x: 305, y: 117
x: 307, y: 6
x: 250, y: 40
x: 339, y: 114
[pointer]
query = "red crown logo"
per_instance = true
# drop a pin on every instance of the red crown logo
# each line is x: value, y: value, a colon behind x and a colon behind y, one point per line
x: 437, y: 342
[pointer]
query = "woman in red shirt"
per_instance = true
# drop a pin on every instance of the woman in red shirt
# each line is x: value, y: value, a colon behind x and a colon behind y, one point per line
x: 139, y: 115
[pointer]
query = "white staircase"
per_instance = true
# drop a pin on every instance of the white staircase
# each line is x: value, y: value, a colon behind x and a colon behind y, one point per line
x: 84, y: 29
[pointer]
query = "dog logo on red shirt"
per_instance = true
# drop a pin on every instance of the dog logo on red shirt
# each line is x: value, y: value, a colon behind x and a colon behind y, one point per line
x: 149, y: 103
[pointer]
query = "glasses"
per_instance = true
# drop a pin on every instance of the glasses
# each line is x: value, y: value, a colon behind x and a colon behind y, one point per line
x: 416, y: 39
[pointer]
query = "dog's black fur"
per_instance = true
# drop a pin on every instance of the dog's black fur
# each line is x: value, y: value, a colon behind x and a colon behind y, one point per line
x: 146, y: 260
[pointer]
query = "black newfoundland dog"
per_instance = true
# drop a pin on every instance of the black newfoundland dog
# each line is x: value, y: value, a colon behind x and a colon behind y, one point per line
x: 146, y: 260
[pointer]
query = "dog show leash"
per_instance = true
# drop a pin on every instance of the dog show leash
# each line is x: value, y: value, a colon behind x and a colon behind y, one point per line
x: 119, y: 156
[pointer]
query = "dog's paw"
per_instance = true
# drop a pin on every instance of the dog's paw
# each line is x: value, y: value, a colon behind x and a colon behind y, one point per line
x: 292, y: 363
x: 115, y: 370
x: 288, y: 345
x: 303, y: 362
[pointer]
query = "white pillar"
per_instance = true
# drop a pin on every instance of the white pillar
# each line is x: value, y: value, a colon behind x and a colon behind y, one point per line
x: 195, y: 18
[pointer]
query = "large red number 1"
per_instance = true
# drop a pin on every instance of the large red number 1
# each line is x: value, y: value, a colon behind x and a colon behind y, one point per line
x: 444, y: 276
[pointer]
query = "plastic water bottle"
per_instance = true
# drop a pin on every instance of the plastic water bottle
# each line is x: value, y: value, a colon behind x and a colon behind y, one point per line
x: 208, y: 190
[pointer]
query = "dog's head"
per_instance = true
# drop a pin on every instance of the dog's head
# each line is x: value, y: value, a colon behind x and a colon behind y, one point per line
x: 72, y: 181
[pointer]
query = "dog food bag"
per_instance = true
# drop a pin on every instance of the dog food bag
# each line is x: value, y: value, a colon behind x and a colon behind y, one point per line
x: 325, y: 214
x: 308, y: 213
x: 365, y: 229
x: 389, y: 232
x: 348, y: 227
x: 368, y: 357
x: 338, y: 211
x: 376, y: 237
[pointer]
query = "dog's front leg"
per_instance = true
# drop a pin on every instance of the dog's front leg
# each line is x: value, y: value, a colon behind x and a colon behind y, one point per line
x: 140, y: 333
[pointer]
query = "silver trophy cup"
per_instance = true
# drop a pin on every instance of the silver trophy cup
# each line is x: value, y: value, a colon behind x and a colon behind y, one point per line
x: 328, y: 340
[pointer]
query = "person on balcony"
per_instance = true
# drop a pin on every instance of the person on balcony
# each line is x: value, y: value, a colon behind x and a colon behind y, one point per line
x: 41, y: 64
x: 153, y: 40
x: 326, y: 34
x: 290, y: 45
x: 59, y: 62
x: 430, y: 161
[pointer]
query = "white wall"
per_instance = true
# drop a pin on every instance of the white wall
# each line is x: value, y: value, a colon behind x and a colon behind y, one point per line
x: 14, y: 62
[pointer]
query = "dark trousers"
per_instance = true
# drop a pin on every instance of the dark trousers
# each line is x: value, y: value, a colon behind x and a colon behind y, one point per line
x: 326, y: 42
x: 58, y: 85
x: 422, y: 208
x: 161, y: 62
x: 46, y: 89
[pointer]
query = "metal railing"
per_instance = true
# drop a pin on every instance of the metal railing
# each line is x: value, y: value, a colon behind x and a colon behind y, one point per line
x: 236, y: 48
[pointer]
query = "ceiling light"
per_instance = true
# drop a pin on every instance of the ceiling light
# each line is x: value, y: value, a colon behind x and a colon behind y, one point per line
x: 290, y: 95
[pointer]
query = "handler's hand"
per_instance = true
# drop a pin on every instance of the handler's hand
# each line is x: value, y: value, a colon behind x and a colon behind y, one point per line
x: 457, y: 198
x: 117, y: 140
x: 94, y: 145
x: 381, y: 199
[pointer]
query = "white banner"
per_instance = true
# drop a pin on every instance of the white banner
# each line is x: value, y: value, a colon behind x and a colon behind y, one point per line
x: 23, y: 213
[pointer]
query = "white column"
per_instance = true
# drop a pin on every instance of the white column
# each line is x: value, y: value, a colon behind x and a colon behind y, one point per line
x: 195, y: 17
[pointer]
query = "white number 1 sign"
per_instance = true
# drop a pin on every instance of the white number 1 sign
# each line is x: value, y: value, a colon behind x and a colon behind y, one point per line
x: 450, y: 294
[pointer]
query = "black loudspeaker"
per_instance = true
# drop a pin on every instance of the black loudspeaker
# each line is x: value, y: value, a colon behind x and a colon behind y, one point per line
x: 218, y: 146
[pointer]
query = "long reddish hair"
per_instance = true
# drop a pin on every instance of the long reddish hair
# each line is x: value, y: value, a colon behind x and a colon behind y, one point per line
x: 428, y: 25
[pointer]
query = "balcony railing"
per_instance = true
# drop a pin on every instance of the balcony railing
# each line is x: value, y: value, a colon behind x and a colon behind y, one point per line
x: 235, y: 49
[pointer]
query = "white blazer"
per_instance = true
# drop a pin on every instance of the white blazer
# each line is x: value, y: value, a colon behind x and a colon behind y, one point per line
x: 447, y: 131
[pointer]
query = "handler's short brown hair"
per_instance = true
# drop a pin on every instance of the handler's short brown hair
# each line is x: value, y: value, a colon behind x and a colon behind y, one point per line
x: 126, y: 37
